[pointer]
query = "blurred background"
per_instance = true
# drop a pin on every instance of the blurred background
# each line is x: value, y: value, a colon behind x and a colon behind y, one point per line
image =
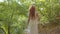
x: 14, y: 14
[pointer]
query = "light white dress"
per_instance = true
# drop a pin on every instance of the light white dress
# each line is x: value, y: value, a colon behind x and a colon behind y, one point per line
x: 32, y: 27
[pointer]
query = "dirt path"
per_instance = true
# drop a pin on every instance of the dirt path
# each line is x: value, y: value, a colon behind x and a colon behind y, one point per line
x: 51, y: 31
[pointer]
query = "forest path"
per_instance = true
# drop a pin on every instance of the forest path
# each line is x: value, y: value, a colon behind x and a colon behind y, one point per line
x: 53, y: 30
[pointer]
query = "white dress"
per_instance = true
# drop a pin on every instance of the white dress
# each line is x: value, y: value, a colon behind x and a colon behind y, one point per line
x: 33, y: 26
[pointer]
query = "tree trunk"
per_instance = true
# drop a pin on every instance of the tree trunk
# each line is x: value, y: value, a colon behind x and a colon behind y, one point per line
x: 8, y: 29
